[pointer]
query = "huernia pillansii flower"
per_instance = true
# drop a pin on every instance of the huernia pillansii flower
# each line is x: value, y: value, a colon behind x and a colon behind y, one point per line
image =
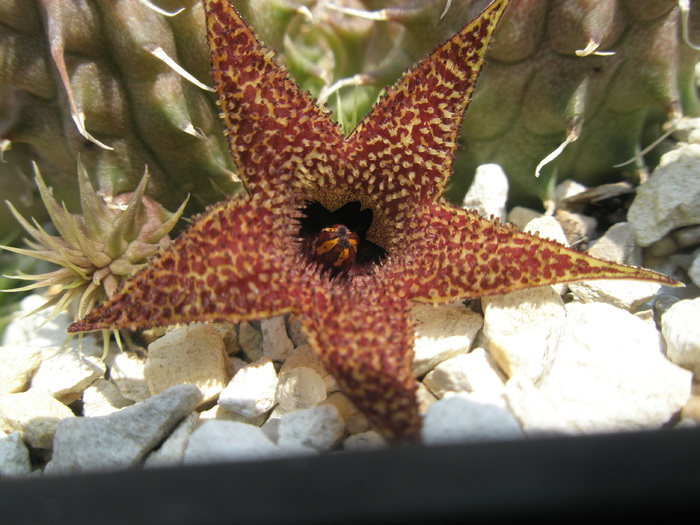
x: 96, y: 249
x: 345, y: 233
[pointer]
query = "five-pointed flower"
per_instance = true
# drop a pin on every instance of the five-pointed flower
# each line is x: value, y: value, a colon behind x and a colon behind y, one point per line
x: 343, y: 232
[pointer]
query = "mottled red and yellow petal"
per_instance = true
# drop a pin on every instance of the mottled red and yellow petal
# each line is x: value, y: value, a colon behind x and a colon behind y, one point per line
x: 457, y: 254
x: 276, y: 132
x: 364, y: 336
x: 235, y: 263
x: 404, y: 149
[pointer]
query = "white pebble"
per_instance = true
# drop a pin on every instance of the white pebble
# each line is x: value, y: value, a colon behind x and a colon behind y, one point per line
x: 172, y: 451
x: 442, y: 332
x: 193, y: 355
x: 300, y: 388
x: 617, y: 245
x: 14, y: 457
x: 534, y: 410
x: 523, y: 328
x: 694, y: 270
x: 319, y: 428
x: 35, y: 414
x: 17, y: 363
x: 368, y: 440
x: 219, y: 441
x: 488, y: 192
x: 126, y: 372
x: 306, y: 356
x: 275, y: 341
x: 465, y: 373
x: 609, y: 373
x: 680, y: 326
x: 462, y: 418
x: 669, y: 197
x: 251, y: 342
x: 355, y: 421
x: 251, y: 392
x: 65, y: 373
x: 102, y: 398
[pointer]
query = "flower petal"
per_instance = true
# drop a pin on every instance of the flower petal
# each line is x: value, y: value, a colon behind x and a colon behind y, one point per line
x: 275, y: 131
x: 404, y: 149
x: 236, y: 262
x: 456, y: 254
x: 364, y: 336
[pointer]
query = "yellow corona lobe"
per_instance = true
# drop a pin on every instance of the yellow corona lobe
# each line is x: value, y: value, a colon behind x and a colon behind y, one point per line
x: 336, y: 247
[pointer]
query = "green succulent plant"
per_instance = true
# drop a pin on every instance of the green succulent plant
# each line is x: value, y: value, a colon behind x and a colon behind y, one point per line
x: 96, y: 249
x: 120, y: 84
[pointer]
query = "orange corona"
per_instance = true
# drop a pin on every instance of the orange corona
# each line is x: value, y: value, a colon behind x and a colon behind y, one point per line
x: 336, y: 247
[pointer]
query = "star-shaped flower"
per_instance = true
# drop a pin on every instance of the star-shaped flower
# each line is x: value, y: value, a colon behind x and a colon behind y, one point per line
x: 343, y: 232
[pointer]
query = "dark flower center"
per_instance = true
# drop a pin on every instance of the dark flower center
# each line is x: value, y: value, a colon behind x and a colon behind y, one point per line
x: 337, y: 240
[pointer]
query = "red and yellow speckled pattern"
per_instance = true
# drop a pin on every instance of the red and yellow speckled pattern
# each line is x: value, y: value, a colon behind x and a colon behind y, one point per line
x: 271, y: 125
x: 243, y: 259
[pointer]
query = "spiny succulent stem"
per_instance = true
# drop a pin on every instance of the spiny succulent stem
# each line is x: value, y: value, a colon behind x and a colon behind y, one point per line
x: 673, y: 125
x: 161, y: 11
x: 158, y: 52
x: 685, y: 22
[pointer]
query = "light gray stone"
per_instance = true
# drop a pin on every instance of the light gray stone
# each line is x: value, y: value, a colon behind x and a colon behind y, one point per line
x: 669, y: 198
x: 533, y: 410
x: 694, y: 270
x: 219, y: 441
x: 296, y: 333
x: 468, y: 417
x: 251, y: 392
x: 442, y: 332
x: 523, y: 328
x: 229, y: 335
x: 123, y: 439
x: 251, y: 342
x: 14, y: 457
x: 305, y: 356
x: 488, y: 192
x: 680, y: 326
x: 472, y: 372
x: 368, y: 440
x: 126, y: 372
x: 687, y: 129
x: 576, y: 227
x: 424, y: 397
x: 172, y: 451
x: 319, y: 428
x: 275, y: 341
x: 300, y: 388
x: 17, y: 363
x: 193, y: 355
x: 547, y: 227
x: 221, y: 414
x: 565, y: 190
x: 662, y: 248
x: 622, y: 293
x: 617, y: 245
x: 36, y: 329
x: 355, y: 421
x: 35, y: 414
x: 687, y: 237
x: 102, y: 398
x: 65, y: 373
x: 521, y: 216
x: 609, y: 373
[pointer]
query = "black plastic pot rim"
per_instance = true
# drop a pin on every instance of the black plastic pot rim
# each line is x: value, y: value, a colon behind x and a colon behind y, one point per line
x: 626, y: 474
